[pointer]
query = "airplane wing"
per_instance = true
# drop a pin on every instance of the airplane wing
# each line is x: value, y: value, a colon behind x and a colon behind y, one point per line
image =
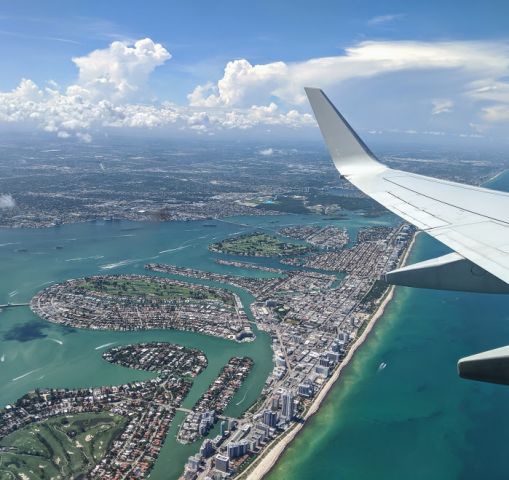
x: 472, y: 221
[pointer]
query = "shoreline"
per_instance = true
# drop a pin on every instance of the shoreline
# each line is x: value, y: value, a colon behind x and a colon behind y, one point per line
x: 269, y: 460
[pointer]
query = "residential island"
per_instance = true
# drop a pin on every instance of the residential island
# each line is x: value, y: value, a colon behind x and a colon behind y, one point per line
x: 258, y: 244
x: 135, y: 302
x: 215, y: 399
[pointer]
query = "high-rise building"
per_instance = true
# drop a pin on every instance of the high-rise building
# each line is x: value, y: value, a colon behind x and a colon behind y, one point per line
x: 222, y: 463
x: 270, y: 418
x: 237, y: 449
x: 223, y: 427
x: 206, y: 449
x: 324, y: 361
x: 333, y: 357
x: 321, y: 370
x: 193, y: 463
x: 306, y: 389
x: 287, y: 405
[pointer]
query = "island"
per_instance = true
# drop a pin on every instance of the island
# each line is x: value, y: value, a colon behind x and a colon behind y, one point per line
x: 213, y: 402
x: 258, y: 244
x: 137, y: 302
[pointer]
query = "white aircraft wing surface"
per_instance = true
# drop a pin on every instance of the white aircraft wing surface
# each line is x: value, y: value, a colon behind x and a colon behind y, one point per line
x: 472, y: 221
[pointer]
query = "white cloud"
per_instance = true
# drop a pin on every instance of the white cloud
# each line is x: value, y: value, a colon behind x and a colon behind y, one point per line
x: 119, y: 71
x: 382, y: 19
x: 111, y: 82
x: 266, y: 152
x: 243, y: 83
x: 84, y: 137
x: 441, y: 105
x: 7, y: 201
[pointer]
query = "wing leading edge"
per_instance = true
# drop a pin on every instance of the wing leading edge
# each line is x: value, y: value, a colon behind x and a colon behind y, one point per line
x: 472, y: 221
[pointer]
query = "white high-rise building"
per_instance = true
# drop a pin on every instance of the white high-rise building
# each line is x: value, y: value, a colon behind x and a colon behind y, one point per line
x: 288, y: 407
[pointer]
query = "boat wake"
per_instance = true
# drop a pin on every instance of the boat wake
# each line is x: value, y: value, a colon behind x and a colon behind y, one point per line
x: 79, y: 259
x: 56, y: 340
x: 121, y: 263
x: 25, y: 375
x: 175, y: 249
x: 381, y: 366
x: 104, y: 345
x: 243, y: 398
x: 14, y: 292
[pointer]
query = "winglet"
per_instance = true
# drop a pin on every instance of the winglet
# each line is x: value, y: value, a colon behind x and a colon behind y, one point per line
x: 348, y: 151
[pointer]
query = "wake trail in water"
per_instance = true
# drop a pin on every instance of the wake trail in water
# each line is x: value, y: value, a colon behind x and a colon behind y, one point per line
x: 79, y: 259
x: 25, y: 375
x: 176, y: 249
x: 127, y: 261
x: 121, y: 263
x: 104, y: 346
x: 56, y: 340
x: 243, y: 398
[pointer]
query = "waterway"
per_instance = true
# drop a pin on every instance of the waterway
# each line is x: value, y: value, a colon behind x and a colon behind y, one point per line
x: 400, y: 410
x: 35, y: 353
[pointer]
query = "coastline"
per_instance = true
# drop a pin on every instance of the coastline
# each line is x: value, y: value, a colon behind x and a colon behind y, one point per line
x: 268, y: 460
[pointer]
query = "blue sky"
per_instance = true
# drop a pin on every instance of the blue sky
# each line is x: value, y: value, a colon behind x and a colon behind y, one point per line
x: 225, y: 68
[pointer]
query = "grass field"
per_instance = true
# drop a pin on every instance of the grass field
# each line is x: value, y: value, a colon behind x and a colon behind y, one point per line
x: 258, y: 244
x: 60, y: 447
x: 152, y: 287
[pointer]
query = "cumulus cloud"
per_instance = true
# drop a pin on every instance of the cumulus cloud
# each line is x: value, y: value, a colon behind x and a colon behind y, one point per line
x: 104, y: 96
x: 266, y: 152
x: 243, y: 83
x: 119, y: 71
x: 7, y: 201
x: 441, y: 106
x: 108, y: 92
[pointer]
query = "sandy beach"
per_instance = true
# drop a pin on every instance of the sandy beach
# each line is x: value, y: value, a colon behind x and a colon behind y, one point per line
x: 268, y: 459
